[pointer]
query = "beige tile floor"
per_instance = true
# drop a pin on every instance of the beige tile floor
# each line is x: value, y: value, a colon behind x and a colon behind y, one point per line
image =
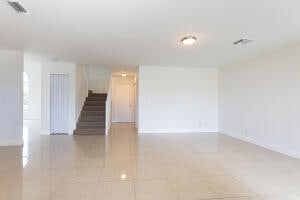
x: 128, y: 166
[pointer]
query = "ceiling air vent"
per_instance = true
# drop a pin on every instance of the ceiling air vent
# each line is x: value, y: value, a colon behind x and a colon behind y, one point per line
x: 17, y: 6
x: 242, y: 42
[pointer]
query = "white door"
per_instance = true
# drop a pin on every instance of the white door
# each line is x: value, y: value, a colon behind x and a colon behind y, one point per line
x: 59, y: 103
x: 123, y: 103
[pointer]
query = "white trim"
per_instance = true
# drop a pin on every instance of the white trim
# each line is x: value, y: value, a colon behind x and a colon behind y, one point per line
x: 272, y: 147
x: 11, y: 142
x: 108, y: 107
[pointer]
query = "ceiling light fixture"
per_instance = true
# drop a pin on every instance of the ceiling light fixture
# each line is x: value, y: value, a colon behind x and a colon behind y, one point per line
x: 123, y: 74
x: 188, y: 40
x: 123, y: 176
x: 242, y: 42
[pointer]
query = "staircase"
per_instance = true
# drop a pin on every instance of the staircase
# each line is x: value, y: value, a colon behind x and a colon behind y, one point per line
x: 92, y: 117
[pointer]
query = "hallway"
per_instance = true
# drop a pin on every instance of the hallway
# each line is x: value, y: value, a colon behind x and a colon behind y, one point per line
x: 128, y: 166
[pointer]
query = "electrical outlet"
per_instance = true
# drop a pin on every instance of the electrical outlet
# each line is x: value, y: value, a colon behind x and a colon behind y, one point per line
x: 199, y: 124
x: 246, y: 132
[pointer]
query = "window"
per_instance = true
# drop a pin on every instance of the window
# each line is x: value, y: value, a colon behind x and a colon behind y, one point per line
x: 25, y: 92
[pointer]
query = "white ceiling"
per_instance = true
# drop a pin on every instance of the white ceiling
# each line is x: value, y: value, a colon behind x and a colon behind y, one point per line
x: 133, y: 32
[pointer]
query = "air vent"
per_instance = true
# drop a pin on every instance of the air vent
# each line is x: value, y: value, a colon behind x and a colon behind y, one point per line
x: 242, y: 42
x: 17, y: 6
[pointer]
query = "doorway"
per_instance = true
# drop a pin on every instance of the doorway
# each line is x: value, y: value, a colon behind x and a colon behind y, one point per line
x: 123, y: 100
x: 59, y: 103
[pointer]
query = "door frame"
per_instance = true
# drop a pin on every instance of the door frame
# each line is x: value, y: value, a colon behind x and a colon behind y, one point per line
x: 57, y: 68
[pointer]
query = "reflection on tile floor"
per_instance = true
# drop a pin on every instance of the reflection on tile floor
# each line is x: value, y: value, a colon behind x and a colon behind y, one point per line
x: 125, y: 165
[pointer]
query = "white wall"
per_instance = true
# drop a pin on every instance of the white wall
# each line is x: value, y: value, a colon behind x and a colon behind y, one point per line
x: 98, y: 78
x: 260, y: 100
x: 32, y: 66
x: 58, y: 68
x: 174, y: 99
x: 11, y: 97
x: 81, y: 89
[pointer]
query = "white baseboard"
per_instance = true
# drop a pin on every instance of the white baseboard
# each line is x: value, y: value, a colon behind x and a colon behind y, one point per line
x: 44, y: 132
x: 142, y: 131
x: 258, y: 142
x: 11, y: 142
x: 47, y: 132
x: 31, y: 118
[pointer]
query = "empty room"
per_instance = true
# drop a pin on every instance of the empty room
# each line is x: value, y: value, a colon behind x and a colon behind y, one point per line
x: 150, y: 100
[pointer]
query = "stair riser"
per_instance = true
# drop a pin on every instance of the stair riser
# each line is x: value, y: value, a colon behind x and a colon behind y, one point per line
x: 95, y: 99
x: 94, y: 103
x: 92, y: 119
x: 97, y: 95
x: 89, y: 132
x: 92, y: 113
x: 93, y: 108
x: 90, y: 126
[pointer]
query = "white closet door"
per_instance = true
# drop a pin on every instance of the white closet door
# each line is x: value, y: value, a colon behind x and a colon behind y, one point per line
x: 123, y: 109
x: 59, y: 103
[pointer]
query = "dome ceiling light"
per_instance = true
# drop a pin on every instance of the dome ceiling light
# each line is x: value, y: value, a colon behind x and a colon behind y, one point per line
x: 188, y: 40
